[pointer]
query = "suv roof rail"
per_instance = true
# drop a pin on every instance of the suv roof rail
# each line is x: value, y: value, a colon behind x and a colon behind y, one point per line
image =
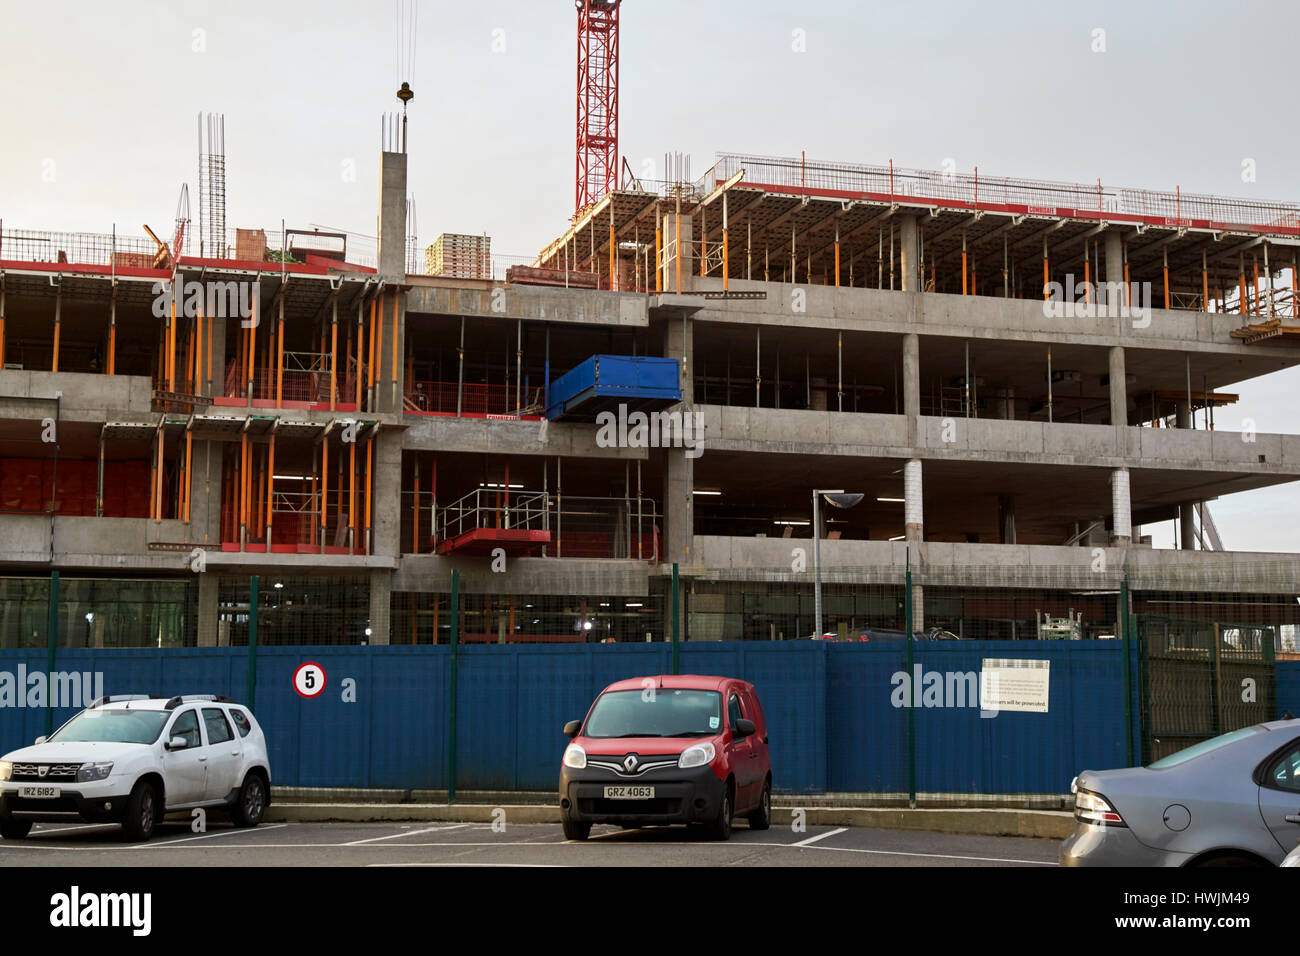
x: 177, y: 701
x: 113, y: 699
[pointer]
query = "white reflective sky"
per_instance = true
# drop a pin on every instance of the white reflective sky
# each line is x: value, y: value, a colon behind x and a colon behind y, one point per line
x: 102, y: 99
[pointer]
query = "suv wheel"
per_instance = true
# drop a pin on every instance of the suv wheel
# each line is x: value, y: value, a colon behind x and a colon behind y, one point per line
x: 761, y: 818
x: 719, y: 828
x: 15, y: 829
x: 251, y: 802
x: 142, y: 811
x: 576, y: 830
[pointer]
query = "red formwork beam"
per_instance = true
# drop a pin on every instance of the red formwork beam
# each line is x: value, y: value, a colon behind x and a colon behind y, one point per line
x: 597, y: 154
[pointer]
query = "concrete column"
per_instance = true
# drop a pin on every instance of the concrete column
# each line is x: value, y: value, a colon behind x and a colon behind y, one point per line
x: 914, y: 532
x: 208, y: 611
x: 908, y: 255
x: 1183, y: 415
x: 1007, y: 519
x: 392, y: 215
x: 1118, y: 387
x: 1005, y: 404
x: 206, y: 491
x: 214, y: 348
x: 913, y: 511
x: 381, y: 593
x: 911, y: 375
x: 1121, y: 508
x: 912, y: 386
x: 1115, y: 263
x: 385, y: 493
x: 1187, y: 526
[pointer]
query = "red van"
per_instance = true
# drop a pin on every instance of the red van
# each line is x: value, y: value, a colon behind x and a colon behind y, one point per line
x: 668, y: 749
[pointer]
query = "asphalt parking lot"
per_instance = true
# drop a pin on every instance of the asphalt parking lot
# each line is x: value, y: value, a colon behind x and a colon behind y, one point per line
x: 478, y: 844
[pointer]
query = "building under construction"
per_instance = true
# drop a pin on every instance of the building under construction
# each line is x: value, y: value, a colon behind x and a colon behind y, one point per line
x: 1016, y: 375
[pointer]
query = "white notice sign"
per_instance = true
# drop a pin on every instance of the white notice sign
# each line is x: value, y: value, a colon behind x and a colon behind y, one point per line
x: 1014, y: 685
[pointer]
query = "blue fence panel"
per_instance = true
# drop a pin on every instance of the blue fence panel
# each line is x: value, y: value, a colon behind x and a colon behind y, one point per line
x: 1288, y: 687
x: 866, y: 736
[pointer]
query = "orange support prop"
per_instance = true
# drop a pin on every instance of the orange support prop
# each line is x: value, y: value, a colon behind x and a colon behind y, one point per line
x: 324, y: 488
x: 352, y: 496
x: 58, y: 322
x: 369, y: 448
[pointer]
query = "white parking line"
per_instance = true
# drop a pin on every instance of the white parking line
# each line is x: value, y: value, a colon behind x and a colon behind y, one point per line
x: 404, y: 833
x: 932, y: 856
x: 202, y: 836
x: 84, y: 826
x: 821, y: 836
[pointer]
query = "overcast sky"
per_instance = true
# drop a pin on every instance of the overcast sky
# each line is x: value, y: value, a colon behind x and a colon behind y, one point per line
x: 98, y: 105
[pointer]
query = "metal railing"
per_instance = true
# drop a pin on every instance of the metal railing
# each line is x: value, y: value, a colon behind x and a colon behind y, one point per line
x: 81, y: 248
x: 493, y: 508
x: 968, y: 188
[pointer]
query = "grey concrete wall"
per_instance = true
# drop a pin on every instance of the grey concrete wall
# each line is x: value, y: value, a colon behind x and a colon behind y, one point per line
x: 440, y: 433
x: 592, y: 577
x: 85, y: 397
x: 531, y: 303
x: 995, y: 565
x: 796, y: 431
x: 974, y: 317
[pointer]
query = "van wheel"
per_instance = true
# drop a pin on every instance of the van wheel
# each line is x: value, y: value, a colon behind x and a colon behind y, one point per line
x: 761, y: 818
x: 719, y: 828
x: 142, y: 812
x: 251, y: 802
x: 15, y: 829
x: 576, y: 830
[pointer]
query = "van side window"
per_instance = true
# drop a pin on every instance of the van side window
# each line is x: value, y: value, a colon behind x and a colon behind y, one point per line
x: 733, y: 711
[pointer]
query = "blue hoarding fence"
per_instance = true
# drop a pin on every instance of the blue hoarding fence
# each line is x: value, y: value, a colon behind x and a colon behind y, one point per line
x: 489, y: 717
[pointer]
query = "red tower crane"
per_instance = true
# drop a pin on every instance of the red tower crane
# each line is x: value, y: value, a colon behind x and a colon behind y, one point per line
x: 597, y: 160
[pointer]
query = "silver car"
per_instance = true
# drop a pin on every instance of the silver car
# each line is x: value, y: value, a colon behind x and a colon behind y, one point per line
x: 1233, y: 800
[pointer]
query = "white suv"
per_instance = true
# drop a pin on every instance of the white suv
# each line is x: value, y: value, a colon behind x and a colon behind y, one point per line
x: 131, y: 759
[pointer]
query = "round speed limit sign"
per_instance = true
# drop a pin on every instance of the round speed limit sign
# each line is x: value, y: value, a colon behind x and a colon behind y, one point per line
x: 309, y: 679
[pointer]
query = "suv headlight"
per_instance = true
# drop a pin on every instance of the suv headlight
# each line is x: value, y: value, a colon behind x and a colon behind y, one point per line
x: 575, y: 757
x: 94, y: 771
x: 6, y: 770
x: 697, y: 755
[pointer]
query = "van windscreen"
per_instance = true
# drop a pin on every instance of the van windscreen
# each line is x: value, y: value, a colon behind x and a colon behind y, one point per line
x: 655, y: 712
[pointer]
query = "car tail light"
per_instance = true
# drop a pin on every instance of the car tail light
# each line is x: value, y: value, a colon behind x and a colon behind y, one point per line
x: 1094, y: 808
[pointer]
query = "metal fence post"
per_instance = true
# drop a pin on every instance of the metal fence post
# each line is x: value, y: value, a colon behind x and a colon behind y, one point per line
x: 51, y: 641
x: 252, y: 638
x: 676, y: 622
x: 452, y: 681
x: 911, y: 708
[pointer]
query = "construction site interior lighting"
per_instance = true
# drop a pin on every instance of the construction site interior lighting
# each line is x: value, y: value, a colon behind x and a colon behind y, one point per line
x: 292, y: 477
x: 897, y: 500
x: 796, y: 524
x: 493, y: 484
x: 699, y: 492
x: 634, y: 604
x: 898, y: 537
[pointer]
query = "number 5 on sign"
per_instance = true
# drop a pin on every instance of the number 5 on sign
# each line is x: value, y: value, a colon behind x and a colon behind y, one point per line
x: 309, y: 680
